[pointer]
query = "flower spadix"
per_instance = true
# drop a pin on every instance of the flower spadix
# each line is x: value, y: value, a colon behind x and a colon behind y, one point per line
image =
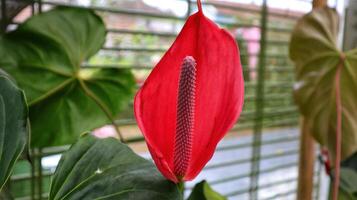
x: 191, y: 99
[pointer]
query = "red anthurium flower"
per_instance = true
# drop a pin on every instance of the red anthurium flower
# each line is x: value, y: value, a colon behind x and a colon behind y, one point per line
x: 191, y: 99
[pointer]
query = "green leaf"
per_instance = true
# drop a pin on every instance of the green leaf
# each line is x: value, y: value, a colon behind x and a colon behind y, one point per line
x: 313, y: 49
x: 47, y: 52
x: 96, y: 168
x: 13, y: 126
x: 348, y: 179
x: 203, y: 191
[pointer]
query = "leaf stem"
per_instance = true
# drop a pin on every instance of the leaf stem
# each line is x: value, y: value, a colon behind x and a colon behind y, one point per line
x: 103, y: 107
x: 339, y: 108
x: 51, y: 92
x: 181, y: 187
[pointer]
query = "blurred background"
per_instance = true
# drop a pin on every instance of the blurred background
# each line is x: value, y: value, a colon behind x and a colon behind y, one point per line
x: 258, y: 159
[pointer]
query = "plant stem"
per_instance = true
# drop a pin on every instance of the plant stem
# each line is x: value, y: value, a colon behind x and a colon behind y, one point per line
x: 181, y: 187
x: 103, y: 107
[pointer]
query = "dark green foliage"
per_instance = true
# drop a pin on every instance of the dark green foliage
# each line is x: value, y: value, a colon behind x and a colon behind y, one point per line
x: 45, y: 55
x: 13, y: 126
x: 348, y: 179
x: 107, y: 169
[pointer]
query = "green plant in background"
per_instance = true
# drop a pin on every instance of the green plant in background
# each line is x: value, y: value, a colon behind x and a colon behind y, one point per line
x: 321, y: 72
x: 65, y: 99
x: 348, y: 185
x: 13, y: 126
x: 244, y: 57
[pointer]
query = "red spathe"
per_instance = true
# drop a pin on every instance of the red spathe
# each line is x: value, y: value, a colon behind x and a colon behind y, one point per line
x: 218, y: 96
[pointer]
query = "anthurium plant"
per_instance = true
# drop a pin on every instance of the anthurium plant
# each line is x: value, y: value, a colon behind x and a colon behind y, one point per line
x: 325, y: 88
x: 191, y: 99
x: 189, y: 102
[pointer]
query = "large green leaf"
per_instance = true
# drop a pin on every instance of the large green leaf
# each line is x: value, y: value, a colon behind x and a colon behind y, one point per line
x: 47, y: 52
x: 203, y: 191
x: 13, y: 126
x: 313, y: 49
x: 107, y: 169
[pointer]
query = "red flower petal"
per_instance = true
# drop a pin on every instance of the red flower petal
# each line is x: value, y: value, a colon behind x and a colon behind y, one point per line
x: 218, y: 95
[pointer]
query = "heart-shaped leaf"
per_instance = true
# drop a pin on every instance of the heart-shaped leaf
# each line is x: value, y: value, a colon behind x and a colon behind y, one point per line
x: 96, y: 168
x: 203, y: 191
x: 13, y: 126
x: 313, y: 49
x: 65, y: 99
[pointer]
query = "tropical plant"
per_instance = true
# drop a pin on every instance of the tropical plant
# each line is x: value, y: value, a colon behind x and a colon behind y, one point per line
x: 192, y: 98
x: 107, y: 169
x: 14, y: 130
x: 325, y: 88
x: 45, y: 56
